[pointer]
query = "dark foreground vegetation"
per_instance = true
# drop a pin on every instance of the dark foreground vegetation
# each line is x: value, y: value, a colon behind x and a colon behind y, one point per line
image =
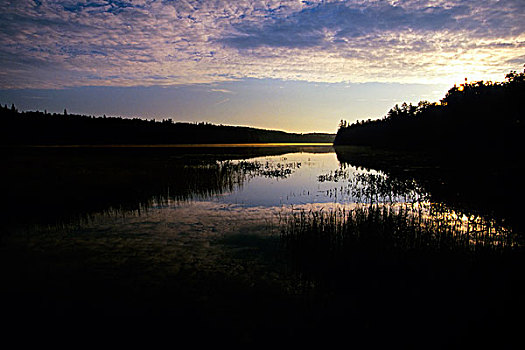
x: 42, y: 128
x: 473, y: 118
x: 406, y: 276
x: 407, y: 266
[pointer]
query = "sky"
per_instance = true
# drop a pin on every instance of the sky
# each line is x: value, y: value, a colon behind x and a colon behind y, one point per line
x: 298, y: 66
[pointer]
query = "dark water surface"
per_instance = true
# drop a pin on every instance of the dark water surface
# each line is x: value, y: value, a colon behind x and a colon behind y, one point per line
x: 193, y: 243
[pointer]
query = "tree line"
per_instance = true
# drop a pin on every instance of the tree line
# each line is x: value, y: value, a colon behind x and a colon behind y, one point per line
x: 481, y: 116
x: 43, y: 128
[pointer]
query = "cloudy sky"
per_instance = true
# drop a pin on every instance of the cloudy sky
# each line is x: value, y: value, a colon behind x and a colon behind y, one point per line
x: 291, y: 65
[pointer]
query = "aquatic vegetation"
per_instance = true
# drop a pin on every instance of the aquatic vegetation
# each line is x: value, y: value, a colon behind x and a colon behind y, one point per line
x: 390, y: 216
x: 418, y: 270
x: 375, y: 187
x: 67, y: 185
x: 395, y: 227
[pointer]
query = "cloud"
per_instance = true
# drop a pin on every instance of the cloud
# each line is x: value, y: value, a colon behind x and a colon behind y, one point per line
x: 519, y: 60
x: 222, y: 101
x: 54, y: 44
x: 225, y: 91
x: 338, y: 22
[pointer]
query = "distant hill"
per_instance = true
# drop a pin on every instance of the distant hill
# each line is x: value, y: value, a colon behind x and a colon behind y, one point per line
x: 473, y: 118
x: 42, y: 128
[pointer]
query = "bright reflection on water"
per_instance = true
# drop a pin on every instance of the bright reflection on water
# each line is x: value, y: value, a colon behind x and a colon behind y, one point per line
x: 232, y: 235
x: 253, y: 195
x: 251, y: 198
x: 186, y: 197
x: 208, y: 201
x: 291, y: 179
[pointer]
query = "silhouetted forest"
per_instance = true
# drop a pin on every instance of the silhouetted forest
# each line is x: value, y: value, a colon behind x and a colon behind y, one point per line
x: 42, y: 128
x: 474, y: 117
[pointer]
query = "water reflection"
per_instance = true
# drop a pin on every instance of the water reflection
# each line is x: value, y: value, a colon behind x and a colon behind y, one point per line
x: 415, y: 210
x: 54, y: 185
x: 220, y: 235
x: 375, y: 187
x: 70, y: 185
x: 489, y: 189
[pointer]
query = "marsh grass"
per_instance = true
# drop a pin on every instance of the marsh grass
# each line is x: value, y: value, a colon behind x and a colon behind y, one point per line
x: 407, y: 274
x: 320, y: 242
x: 69, y: 186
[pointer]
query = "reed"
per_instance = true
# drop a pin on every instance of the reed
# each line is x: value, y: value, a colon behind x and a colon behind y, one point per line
x: 323, y: 243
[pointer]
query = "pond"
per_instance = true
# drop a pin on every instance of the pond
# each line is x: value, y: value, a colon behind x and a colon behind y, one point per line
x: 242, y: 240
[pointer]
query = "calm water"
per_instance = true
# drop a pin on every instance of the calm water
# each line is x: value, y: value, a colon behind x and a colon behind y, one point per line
x: 195, y: 229
x: 189, y: 194
x: 175, y: 207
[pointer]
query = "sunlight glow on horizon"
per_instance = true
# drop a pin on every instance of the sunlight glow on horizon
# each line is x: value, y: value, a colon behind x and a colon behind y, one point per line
x: 58, y: 47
